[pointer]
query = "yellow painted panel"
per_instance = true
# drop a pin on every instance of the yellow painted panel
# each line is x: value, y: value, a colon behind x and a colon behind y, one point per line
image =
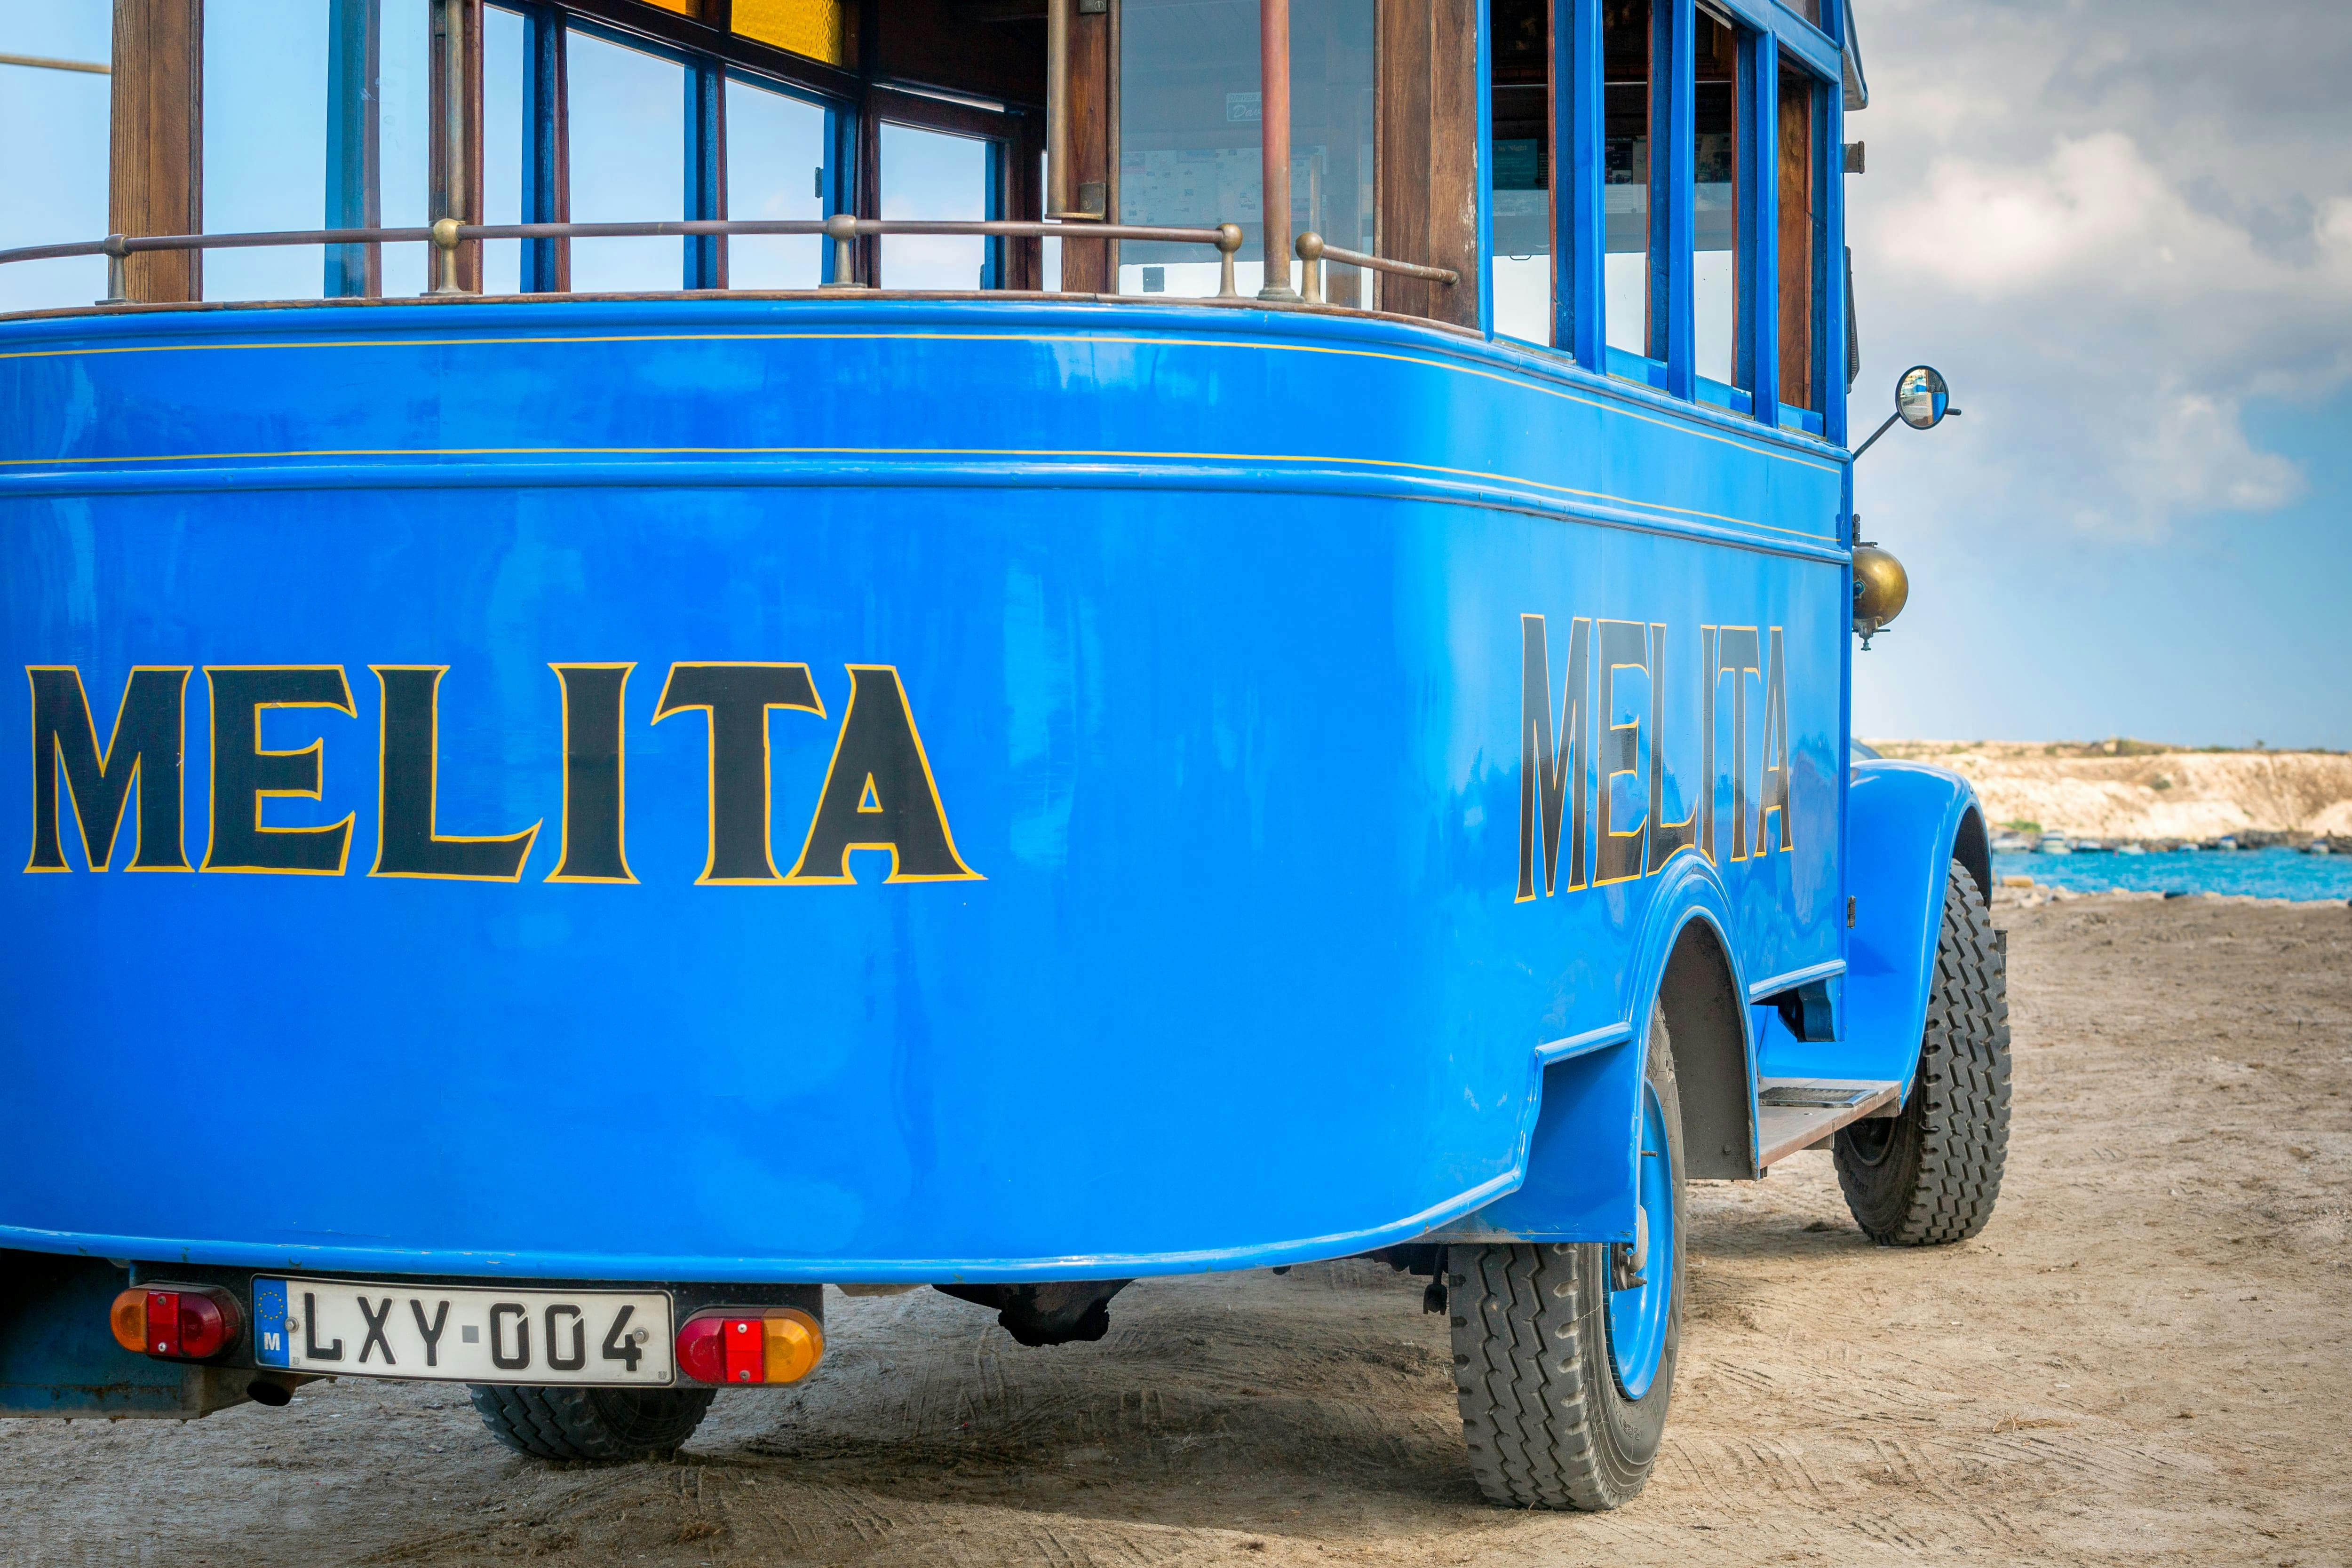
x: 683, y: 7
x: 817, y: 28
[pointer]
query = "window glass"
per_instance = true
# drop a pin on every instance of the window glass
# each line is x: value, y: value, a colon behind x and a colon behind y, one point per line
x: 504, y: 133
x: 1715, y: 214
x: 821, y: 29
x: 265, y: 128
x: 1050, y: 277
x: 1625, y: 194
x: 408, y: 120
x: 628, y: 122
x: 266, y: 143
x: 930, y: 174
x: 775, y: 167
x: 1189, y: 146
x: 1798, y: 99
x: 53, y: 125
x: 1521, y: 161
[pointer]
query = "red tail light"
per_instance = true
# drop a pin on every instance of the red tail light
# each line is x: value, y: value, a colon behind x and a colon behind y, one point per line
x: 194, y: 1322
x: 747, y: 1347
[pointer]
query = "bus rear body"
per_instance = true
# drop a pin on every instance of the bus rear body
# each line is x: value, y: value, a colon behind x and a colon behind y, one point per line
x: 585, y: 820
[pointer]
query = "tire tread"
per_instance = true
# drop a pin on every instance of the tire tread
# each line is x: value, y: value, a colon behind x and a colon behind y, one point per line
x: 1946, y: 1179
x: 563, y: 1424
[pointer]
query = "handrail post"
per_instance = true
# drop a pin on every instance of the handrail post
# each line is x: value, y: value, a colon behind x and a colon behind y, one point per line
x: 115, y: 252
x: 1229, y: 240
x: 1274, y: 138
x: 1311, y: 255
x: 842, y: 229
x: 444, y: 257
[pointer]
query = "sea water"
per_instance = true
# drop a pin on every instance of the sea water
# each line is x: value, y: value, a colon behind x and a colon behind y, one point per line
x: 2275, y: 873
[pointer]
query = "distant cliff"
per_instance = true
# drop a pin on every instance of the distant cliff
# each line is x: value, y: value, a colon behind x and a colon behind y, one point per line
x: 2131, y: 789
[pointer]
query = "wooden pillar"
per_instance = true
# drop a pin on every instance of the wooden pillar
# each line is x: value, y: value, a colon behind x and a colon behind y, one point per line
x: 1796, y: 93
x: 1022, y: 197
x: 1091, y: 267
x: 1428, y: 157
x: 156, y: 179
x: 456, y: 153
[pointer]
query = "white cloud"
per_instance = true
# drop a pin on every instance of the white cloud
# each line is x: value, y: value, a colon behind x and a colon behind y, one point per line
x: 2115, y: 281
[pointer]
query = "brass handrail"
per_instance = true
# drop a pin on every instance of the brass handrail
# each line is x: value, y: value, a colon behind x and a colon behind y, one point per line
x: 447, y: 235
x: 1314, y: 251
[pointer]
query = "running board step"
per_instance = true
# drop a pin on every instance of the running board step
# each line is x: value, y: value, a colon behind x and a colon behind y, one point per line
x: 1794, y: 1113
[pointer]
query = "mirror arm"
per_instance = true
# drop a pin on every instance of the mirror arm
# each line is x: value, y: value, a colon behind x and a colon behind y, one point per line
x: 1874, y: 435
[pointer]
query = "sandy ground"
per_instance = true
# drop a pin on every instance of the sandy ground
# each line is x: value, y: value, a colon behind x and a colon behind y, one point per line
x: 2146, y: 1356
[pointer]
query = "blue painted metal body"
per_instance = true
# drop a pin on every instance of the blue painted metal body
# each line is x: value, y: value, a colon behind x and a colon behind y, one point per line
x: 1211, y: 621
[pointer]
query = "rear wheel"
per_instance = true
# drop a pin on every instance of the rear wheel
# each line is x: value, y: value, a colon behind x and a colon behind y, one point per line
x: 1564, y: 1352
x: 591, y: 1423
x: 1932, y: 1174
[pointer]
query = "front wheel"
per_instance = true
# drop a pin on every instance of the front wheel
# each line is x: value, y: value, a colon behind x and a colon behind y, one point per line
x: 1932, y: 1174
x: 1564, y: 1352
x: 591, y: 1423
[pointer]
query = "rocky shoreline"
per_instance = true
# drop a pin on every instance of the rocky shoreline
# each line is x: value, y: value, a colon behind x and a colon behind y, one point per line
x: 2009, y: 842
x: 2155, y: 797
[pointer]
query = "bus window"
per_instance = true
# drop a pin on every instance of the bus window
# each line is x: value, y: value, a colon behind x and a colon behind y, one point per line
x: 1189, y: 149
x: 265, y: 105
x: 1715, y: 214
x: 1625, y: 200
x: 776, y: 162
x: 504, y: 133
x: 627, y: 123
x: 1798, y: 98
x: 1521, y: 161
x: 931, y: 174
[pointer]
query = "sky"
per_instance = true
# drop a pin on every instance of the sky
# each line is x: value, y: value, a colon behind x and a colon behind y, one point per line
x: 2123, y: 233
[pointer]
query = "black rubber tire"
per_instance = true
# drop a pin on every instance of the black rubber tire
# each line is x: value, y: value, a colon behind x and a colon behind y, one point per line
x: 1932, y: 1175
x: 591, y: 1423
x: 1548, y: 1422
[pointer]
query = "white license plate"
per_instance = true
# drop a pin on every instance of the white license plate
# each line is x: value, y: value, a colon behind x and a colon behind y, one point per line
x: 359, y: 1328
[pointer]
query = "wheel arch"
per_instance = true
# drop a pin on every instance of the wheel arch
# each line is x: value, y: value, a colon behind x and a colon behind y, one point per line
x: 1707, y: 1026
x: 1589, y: 1096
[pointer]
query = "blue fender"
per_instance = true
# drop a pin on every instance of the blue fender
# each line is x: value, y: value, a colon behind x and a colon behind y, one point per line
x: 1905, y: 822
x: 1580, y: 1155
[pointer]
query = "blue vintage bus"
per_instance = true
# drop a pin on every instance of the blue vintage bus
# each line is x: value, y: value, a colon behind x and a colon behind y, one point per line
x: 1291, y: 704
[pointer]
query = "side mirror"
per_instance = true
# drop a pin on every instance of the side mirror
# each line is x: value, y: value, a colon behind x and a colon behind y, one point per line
x: 1921, y: 398
x: 1922, y: 401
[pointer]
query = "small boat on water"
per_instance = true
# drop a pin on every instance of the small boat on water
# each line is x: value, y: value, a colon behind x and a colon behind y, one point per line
x: 2090, y: 847
x: 2319, y: 847
x: 2225, y: 842
x: 2130, y: 847
x: 2011, y: 844
x: 2054, y: 844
